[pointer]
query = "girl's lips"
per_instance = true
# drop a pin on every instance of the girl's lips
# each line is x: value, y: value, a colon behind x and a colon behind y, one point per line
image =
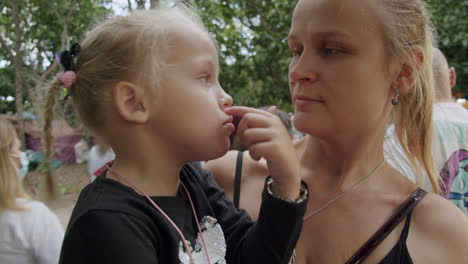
x: 228, y: 128
x: 229, y: 120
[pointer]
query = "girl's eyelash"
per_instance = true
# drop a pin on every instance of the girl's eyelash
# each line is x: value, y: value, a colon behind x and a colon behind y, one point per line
x: 205, y: 79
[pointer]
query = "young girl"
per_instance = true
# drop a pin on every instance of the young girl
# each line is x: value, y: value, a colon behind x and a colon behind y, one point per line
x: 147, y: 85
x: 29, y: 231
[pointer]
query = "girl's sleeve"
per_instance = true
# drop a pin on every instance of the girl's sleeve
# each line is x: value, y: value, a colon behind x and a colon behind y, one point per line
x: 108, y: 237
x: 271, y: 239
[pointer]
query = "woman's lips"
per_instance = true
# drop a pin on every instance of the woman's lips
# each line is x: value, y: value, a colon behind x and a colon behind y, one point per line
x: 303, y: 101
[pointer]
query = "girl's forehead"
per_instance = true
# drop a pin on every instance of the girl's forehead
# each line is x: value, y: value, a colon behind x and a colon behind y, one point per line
x: 186, y: 43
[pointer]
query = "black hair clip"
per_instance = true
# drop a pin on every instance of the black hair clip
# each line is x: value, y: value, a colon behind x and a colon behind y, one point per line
x: 75, y: 49
x: 67, y: 58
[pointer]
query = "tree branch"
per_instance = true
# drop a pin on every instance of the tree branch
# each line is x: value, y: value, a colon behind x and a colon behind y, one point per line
x: 130, y: 8
x: 154, y: 4
x: 17, y: 62
x: 140, y: 4
x: 7, y: 48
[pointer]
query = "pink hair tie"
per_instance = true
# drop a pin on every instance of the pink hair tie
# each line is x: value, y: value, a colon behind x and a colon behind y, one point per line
x: 67, y: 78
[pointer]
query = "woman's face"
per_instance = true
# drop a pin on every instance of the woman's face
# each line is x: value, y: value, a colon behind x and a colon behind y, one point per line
x: 340, y: 76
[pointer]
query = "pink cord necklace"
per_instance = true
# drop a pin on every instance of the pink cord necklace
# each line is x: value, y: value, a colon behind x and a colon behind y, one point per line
x: 182, y: 237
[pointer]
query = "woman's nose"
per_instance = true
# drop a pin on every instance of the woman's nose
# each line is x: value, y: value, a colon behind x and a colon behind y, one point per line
x: 302, y: 76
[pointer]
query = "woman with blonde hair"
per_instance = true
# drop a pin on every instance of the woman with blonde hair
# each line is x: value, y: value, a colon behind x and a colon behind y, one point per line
x: 29, y: 231
x: 358, y: 66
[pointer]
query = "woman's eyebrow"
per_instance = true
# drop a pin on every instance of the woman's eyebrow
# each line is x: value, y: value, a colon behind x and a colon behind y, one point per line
x: 333, y: 33
x: 323, y: 34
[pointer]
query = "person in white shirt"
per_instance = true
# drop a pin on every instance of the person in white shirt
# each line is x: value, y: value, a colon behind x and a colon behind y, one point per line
x: 451, y: 135
x: 450, y: 143
x: 29, y: 232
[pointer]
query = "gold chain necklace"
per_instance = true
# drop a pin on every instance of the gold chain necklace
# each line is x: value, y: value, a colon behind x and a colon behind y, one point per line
x: 344, y: 192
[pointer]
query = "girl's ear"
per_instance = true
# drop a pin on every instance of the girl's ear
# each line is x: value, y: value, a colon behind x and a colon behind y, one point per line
x: 409, y: 70
x: 129, y: 100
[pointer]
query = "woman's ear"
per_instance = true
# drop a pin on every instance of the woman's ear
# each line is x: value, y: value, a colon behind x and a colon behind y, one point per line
x: 129, y: 100
x: 409, y: 70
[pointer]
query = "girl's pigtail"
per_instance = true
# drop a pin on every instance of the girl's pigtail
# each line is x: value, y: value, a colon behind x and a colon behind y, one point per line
x: 54, y: 89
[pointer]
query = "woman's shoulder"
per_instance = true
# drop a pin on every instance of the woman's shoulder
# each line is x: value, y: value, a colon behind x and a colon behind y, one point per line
x: 223, y: 169
x: 442, y: 226
x: 435, y: 211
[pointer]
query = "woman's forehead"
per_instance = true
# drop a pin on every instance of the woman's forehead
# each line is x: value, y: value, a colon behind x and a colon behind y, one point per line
x: 345, y: 16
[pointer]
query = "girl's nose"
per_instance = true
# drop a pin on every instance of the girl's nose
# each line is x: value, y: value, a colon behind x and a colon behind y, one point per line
x: 226, y: 100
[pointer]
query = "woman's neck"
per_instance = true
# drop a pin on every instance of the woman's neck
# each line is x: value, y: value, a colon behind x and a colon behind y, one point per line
x: 339, y: 164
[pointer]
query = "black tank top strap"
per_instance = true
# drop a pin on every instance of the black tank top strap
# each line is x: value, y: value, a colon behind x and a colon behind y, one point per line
x: 404, y: 210
x: 404, y: 233
x: 237, y: 178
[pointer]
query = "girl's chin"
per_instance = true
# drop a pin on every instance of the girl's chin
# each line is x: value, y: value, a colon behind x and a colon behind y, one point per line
x: 218, y: 152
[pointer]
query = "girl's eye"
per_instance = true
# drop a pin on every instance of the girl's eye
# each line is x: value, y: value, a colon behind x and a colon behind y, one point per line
x: 204, y: 78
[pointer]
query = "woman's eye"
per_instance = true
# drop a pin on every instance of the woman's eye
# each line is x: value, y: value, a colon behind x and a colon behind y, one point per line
x: 296, y: 53
x: 332, y: 51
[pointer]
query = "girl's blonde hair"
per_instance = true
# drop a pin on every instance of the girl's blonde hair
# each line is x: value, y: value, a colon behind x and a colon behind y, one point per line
x: 408, y: 31
x: 11, y: 186
x: 126, y: 48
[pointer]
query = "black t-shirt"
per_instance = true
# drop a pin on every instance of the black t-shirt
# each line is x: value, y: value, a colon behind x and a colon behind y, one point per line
x: 111, y: 223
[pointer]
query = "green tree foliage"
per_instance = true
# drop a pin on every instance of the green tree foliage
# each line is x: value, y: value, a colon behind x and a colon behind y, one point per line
x: 252, y: 39
x: 450, y: 18
x: 251, y: 36
x: 46, y: 27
